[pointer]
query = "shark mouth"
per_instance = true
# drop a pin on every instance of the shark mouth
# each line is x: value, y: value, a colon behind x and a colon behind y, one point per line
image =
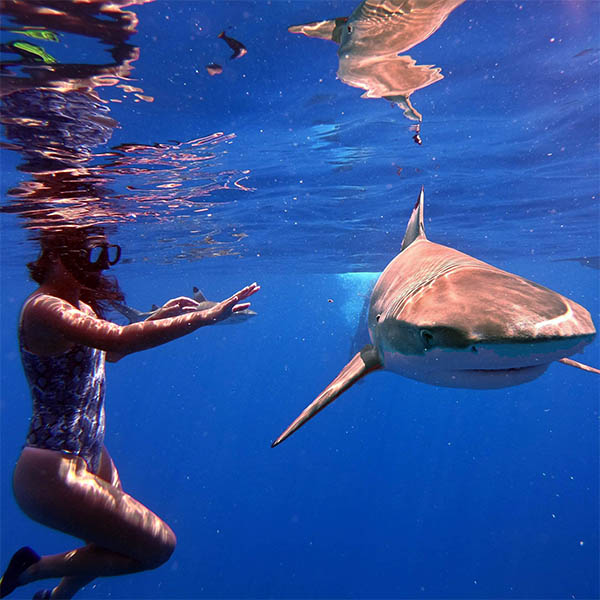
x: 509, y: 370
x: 487, y: 378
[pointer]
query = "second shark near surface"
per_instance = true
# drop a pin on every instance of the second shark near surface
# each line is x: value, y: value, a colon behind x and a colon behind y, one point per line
x: 134, y: 316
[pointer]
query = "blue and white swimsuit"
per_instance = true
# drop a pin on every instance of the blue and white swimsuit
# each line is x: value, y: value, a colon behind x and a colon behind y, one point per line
x: 68, y: 401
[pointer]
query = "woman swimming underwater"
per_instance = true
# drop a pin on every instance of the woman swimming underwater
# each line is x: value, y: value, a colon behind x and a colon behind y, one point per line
x: 64, y: 477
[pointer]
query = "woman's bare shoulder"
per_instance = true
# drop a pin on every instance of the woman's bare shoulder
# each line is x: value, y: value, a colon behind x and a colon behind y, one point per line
x: 40, y: 302
x: 37, y: 329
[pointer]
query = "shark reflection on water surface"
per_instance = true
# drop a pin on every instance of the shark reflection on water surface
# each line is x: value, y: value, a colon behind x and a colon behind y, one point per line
x: 445, y: 318
x: 371, y: 39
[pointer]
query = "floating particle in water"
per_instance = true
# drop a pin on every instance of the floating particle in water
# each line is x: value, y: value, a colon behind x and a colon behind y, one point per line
x: 238, y: 48
x: 214, y: 69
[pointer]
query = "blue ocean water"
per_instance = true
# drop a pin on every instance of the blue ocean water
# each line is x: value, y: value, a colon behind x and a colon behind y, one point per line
x: 276, y: 171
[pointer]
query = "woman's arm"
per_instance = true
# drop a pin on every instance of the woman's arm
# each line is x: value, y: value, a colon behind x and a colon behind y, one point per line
x: 173, y: 308
x: 50, y: 315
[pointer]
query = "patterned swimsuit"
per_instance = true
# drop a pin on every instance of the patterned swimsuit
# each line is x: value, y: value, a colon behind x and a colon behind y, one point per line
x: 68, y: 401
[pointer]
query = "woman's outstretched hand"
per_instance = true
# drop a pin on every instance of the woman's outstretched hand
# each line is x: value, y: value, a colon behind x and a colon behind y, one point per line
x: 226, y: 308
x: 218, y: 312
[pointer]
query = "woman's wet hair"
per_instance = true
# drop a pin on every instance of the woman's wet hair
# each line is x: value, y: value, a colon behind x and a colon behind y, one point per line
x: 70, y: 244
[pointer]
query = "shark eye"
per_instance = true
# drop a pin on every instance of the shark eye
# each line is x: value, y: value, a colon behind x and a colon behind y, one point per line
x: 377, y: 317
x: 349, y: 28
x: 427, y: 338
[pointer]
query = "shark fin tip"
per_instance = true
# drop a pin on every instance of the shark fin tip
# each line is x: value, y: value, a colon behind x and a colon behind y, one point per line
x: 415, y: 228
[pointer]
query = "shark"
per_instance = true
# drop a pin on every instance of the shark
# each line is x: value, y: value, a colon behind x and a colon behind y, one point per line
x: 442, y: 317
x: 593, y: 262
x: 372, y: 42
x: 134, y: 316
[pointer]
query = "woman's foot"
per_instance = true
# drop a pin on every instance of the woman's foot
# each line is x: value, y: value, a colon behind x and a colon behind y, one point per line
x: 22, y: 559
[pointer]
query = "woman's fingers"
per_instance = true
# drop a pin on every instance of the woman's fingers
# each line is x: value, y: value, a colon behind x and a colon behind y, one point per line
x: 239, y: 307
x: 185, y: 302
x: 180, y: 302
x: 245, y: 292
x: 227, y: 307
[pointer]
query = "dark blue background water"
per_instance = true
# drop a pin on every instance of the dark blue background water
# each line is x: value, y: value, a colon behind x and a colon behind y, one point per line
x: 398, y: 489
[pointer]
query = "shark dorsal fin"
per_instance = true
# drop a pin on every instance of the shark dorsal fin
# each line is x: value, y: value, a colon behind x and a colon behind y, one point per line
x: 415, y: 228
x: 198, y: 295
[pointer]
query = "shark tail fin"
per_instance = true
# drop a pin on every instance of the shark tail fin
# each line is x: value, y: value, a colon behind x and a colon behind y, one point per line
x: 415, y: 228
x: 362, y: 363
x: 574, y: 363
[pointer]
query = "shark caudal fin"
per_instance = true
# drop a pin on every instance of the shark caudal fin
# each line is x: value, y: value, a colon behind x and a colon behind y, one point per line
x: 574, y: 363
x: 415, y: 228
x: 364, y: 362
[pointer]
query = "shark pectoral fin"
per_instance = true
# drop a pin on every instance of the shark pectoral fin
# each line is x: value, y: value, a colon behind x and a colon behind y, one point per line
x: 324, y: 30
x: 363, y: 362
x: 574, y: 363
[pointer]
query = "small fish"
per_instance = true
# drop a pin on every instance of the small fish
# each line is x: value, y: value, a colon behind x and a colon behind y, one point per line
x: 214, y: 69
x: 31, y: 52
x: 135, y: 316
x: 38, y: 34
x: 238, y: 48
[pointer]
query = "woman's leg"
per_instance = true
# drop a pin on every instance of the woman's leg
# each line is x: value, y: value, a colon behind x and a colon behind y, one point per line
x: 69, y: 586
x: 57, y: 490
x: 66, y: 589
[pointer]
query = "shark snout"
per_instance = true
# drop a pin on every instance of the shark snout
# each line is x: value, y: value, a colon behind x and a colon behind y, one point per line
x: 478, y: 354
